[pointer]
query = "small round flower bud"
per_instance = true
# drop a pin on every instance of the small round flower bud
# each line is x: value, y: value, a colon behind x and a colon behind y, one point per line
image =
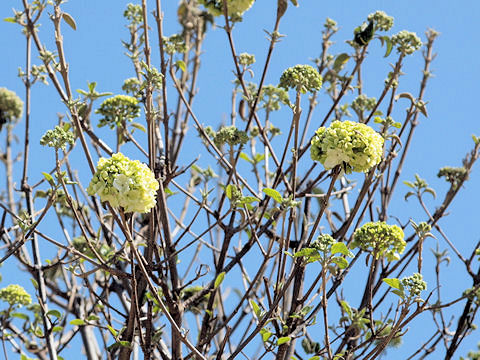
x: 407, y: 42
x: 127, y: 183
x: 302, y: 78
x: 380, y: 239
x: 355, y: 146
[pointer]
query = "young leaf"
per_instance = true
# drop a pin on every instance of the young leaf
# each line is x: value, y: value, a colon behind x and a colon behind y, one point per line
x: 283, y: 340
x: 341, y: 248
x: 69, y: 20
x: 394, y: 283
x: 256, y: 309
x: 181, y: 65
x: 274, y: 194
x: 78, y: 322
x: 49, y: 178
x: 55, y: 313
x: 340, y: 261
x: 219, y: 279
x: 266, y: 334
x: 340, y: 61
x: 246, y: 157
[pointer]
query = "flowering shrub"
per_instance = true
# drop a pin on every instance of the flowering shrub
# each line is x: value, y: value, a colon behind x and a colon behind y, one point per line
x: 124, y: 182
x: 355, y: 146
x: 380, y: 239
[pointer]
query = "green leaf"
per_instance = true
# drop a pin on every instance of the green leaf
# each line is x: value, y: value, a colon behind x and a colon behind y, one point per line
x: 340, y: 261
x: 266, y: 334
x: 409, y: 184
x: 34, y: 283
x: 399, y: 293
x: 341, y: 248
x: 55, y: 313
x: 283, y: 340
x: 112, y: 331
x: 394, y: 283
x: 432, y: 192
x: 124, y: 343
x: 69, y: 20
x: 10, y: 20
x: 340, y: 61
x: 346, y: 307
x: 93, y: 318
x: 256, y: 309
x: 138, y: 126
x: 57, y: 328
x: 181, y: 65
x: 229, y: 191
x: 219, y: 279
x: 49, y: 178
x: 246, y: 157
x: 389, y: 43
x: 315, y: 358
x: 78, y: 322
x: 20, y: 316
x: 274, y: 194
x: 306, y: 252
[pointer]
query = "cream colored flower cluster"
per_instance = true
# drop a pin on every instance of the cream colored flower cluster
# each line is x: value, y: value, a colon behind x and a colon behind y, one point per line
x: 355, y: 146
x: 127, y: 183
x: 15, y: 295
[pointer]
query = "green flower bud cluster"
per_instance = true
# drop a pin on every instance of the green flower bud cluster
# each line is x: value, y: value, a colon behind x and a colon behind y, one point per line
x: 355, y: 146
x: 134, y: 14
x: 362, y: 103
x: 230, y: 135
x: 330, y: 24
x: 414, y: 284
x: 11, y: 107
x: 127, y: 183
x: 174, y: 44
x: 15, y: 295
x: 131, y: 86
x: 246, y: 59
x: 323, y: 243
x: 235, y: 7
x: 407, y: 42
x: 380, y: 239
x: 454, y: 175
x: 118, y: 109
x: 271, y: 97
x: 58, y: 138
x: 382, y: 20
x: 302, y: 78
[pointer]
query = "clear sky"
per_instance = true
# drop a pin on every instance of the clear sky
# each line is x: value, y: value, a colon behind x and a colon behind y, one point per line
x: 95, y: 53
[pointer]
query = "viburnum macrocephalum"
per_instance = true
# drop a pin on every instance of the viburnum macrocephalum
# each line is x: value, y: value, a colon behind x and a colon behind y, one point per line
x: 124, y: 183
x: 355, y: 146
x: 380, y: 239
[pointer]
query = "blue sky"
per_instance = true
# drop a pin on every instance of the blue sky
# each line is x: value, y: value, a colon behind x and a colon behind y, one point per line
x: 95, y: 53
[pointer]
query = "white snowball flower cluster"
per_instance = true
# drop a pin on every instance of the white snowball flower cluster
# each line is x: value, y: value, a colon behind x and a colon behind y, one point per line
x: 355, y: 146
x: 124, y: 182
